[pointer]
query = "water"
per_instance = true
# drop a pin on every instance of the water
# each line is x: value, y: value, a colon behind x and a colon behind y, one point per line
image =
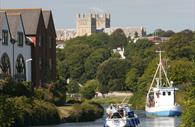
x: 145, y: 122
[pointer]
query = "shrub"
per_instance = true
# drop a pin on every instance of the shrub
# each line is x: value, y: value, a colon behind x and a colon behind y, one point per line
x: 8, y: 112
x: 14, y: 88
x: 34, y: 112
x: 86, y: 112
x: 89, y: 89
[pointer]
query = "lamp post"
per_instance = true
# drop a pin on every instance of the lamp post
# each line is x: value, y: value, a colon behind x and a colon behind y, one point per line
x: 26, y: 61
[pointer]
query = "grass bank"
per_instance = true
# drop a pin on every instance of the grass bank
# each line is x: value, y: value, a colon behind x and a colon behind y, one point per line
x: 86, y: 111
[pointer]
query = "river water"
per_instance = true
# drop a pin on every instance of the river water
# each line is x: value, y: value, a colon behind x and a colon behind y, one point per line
x: 145, y: 122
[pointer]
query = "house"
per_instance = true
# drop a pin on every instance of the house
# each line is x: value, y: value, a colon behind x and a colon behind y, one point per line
x: 38, y: 27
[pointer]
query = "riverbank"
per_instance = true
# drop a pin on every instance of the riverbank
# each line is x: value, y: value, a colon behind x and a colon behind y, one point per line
x: 86, y: 111
x: 113, y: 98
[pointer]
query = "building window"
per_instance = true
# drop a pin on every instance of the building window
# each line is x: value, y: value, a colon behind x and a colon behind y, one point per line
x: 20, y: 39
x: 164, y: 93
x: 50, y: 64
x: 20, y: 65
x: 50, y: 42
x: 5, y: 64
x: 169, y: 93
x: 5, y: 37
x: 40, y: 42
x: 40, y: 63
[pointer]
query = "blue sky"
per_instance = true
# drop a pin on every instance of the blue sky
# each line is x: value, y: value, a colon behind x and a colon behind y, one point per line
x: 152, y: 14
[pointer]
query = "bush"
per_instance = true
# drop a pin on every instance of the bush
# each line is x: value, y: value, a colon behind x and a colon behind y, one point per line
x: 86, y: 112
x: 89, y: 89
x: 138, y: 100
x: 14, y: 88
x: 34, y: 112
x: 8, y: 112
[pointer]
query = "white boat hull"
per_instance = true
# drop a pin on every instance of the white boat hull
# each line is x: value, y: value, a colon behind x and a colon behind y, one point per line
x: 164, y: 111
x: 129, y: 122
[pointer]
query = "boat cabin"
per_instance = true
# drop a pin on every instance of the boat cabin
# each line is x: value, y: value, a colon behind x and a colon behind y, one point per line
x: 162, y: 97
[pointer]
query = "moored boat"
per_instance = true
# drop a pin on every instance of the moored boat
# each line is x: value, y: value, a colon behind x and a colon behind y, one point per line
x: 121, y: 116
x: 160, y: 99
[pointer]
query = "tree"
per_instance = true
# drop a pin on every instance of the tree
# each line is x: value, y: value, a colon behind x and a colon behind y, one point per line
x: 181, y: 71
x: 188, y: 119
x: 73, y: 87
x: 180, y: 46
x: 118, y: 39
x: 75, y: 57
x: 89, y: 89
x: 132, y: 79
x: 94, y: 60
x: 112, y: 69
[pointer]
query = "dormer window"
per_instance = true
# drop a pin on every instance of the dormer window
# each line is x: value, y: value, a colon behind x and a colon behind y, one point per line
x: 20, y: 39
x: 5, y: 37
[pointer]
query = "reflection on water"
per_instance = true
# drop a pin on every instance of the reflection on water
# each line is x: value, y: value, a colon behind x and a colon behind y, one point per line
x: 160, y: 122
x: 145, y: 122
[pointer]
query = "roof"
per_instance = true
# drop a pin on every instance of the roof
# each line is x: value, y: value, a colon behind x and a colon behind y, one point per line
x: 46, y: 16
x: 13, y: 21
x: 2, y: 16
x: 30, y: 18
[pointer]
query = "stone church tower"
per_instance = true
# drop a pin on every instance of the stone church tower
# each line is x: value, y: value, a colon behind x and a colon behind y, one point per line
x: 89, y: 23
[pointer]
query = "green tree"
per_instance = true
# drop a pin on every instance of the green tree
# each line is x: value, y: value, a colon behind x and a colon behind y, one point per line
x: 73, y: 87
x: 180, y: 46
x: 112, y: 69
x: 75, y: 57
x: 93, y: 61
x: 132, y: 79
x: 181, y: 71
x: 89, y: 89
x: 188, y: 119
x: 118, y: 39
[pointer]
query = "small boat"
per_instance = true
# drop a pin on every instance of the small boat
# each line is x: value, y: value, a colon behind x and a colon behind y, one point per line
x: 121, y: 116
x: 160, y: 99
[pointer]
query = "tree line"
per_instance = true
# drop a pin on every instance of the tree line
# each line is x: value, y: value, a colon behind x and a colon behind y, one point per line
x: 91, y: 65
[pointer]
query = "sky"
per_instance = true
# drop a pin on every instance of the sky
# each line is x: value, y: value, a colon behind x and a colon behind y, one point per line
x: 174, y: 15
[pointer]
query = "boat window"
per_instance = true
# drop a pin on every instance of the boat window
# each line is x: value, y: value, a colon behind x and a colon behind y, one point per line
x: 116, y: 115
x: 169, y: 93
x: 164, y: 93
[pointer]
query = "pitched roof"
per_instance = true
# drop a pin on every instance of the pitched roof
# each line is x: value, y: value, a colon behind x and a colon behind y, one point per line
x: 2, y: 16
x: 46, y: 16
x: 13, y: 21
x: 30, y: 18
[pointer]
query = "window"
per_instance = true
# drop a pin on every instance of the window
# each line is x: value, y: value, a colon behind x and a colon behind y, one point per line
x: 164, y: 93
x: 20, y: 65
x: 41, y: 39
x: 5, y: 64
x: 5, y: 37
x: 20, y: 39
x: 169, y: 93
x: 50, y: 64
x: 40, y: 63
x: 50, y: 42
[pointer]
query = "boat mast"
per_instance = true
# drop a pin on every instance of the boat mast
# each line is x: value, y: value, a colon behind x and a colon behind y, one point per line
x: 160, y: 68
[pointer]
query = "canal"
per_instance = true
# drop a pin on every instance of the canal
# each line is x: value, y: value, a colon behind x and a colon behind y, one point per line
x: 145, y: 122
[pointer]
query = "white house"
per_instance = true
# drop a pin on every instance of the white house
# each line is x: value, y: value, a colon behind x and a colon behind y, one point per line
x: 15, y: 48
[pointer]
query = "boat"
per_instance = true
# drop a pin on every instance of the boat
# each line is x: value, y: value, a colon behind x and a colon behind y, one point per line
x: 160, y: 100
x: 121, y: 116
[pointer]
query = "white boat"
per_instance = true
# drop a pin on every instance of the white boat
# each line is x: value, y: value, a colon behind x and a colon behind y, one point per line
x: 160, y: 99
x: 121, y: 116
